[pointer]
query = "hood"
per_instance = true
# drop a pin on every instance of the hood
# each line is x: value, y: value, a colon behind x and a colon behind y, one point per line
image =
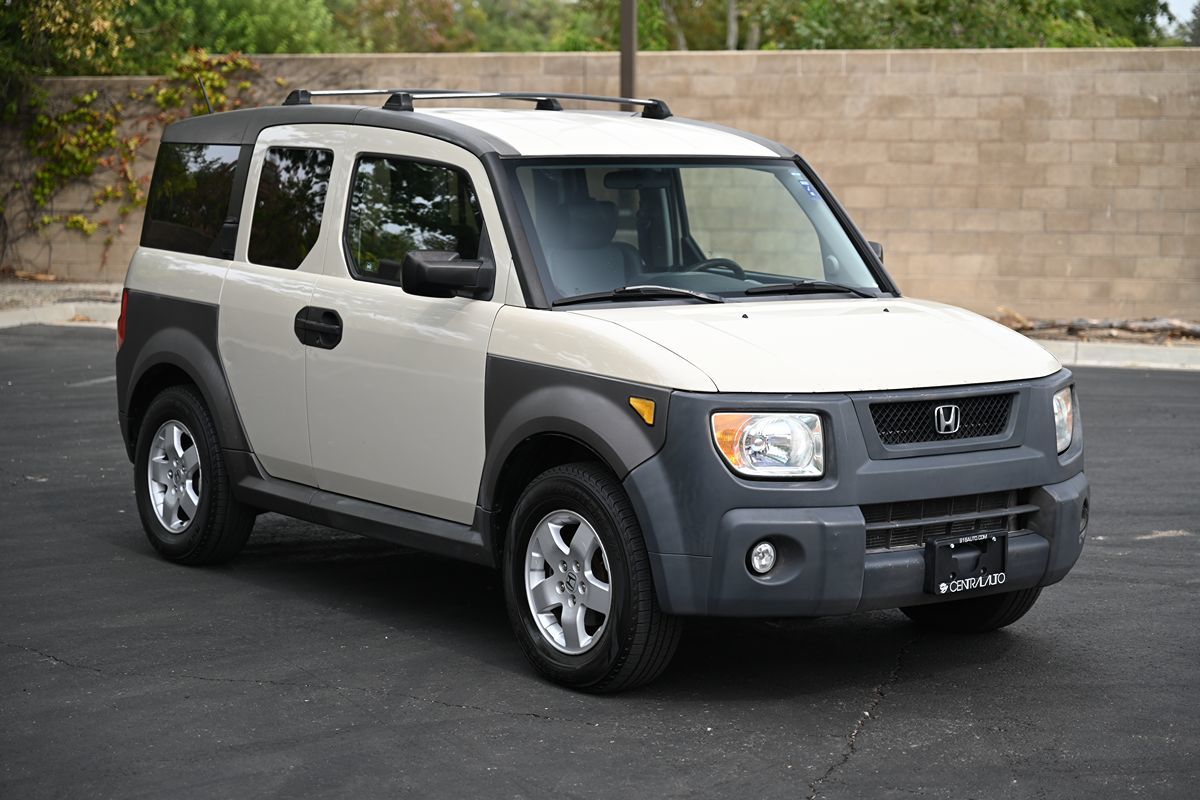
x: 805, y: 345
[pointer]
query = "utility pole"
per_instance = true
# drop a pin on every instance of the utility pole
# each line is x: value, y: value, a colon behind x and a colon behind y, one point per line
x: 628, y: 48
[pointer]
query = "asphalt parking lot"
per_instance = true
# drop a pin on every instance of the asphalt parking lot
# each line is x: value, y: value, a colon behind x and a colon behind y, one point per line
x: 322, y: 664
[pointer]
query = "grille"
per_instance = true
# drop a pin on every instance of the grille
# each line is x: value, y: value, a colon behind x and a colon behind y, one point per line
x: 910, y: 422
x: 910, y: 522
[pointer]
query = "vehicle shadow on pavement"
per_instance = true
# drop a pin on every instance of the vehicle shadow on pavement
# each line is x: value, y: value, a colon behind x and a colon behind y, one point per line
x: 734, y: 659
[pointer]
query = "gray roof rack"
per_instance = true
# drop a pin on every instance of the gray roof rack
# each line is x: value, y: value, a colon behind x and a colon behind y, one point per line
x: 402, y: 99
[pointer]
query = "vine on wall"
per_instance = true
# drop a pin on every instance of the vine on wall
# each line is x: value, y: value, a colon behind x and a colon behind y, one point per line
x: 91, y: 136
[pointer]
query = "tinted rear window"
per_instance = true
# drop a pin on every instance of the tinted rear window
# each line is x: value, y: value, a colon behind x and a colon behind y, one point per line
x: 289, y: 205
x: 189, y: 197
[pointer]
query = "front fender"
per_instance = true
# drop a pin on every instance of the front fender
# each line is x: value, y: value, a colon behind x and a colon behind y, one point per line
x: 525, y: 399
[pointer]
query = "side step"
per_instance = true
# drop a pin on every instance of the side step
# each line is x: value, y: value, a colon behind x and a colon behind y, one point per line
x: 252, y: 485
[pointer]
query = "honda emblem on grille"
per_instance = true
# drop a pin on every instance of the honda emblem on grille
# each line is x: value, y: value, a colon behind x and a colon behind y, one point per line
x: 946, y: 419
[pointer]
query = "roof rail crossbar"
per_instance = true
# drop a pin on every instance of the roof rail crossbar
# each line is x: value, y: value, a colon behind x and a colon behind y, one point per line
x: 402, y: 99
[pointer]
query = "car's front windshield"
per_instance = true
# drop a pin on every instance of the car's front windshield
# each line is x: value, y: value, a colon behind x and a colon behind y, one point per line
x: 716, y: 227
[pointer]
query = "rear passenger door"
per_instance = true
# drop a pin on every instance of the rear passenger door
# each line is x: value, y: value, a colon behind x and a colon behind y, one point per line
x: 280, y: 251
x: 396, y: 406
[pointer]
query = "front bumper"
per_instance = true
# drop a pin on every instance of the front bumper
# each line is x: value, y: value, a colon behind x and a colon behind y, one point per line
x: 700, y: 520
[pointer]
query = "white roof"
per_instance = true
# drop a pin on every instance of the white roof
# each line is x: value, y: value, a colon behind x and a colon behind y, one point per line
x: 590, y: 133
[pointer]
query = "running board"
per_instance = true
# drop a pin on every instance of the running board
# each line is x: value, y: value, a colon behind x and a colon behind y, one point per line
x: 252, y: 485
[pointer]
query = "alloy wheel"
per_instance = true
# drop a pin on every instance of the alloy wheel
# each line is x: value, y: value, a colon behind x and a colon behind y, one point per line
x: 567, y: 582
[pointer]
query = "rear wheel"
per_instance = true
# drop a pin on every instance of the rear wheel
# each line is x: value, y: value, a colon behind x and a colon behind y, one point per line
x: 975, y: 614
x: 182, y: 488
x: 578, y: 586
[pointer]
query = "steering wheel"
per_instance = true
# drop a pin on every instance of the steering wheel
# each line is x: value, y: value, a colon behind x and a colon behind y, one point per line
x: 711, y: 264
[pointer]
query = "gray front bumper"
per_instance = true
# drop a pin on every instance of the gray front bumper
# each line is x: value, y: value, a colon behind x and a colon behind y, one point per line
x: 700, y: 520
x: 824, y: 569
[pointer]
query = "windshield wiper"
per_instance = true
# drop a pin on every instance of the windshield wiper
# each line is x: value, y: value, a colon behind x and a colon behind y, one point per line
x: 806, y: 285
x: 629, y: 292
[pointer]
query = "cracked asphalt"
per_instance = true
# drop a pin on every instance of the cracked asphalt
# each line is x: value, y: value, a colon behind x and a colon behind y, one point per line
x: 320, y: 664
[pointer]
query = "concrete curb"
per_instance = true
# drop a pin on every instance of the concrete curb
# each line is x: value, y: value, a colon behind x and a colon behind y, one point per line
x: 97, y: 314
x: 1123, y: 355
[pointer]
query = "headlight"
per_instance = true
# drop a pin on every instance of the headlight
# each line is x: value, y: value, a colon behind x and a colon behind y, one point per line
x: 1064, y: 418
x: 771, y: 445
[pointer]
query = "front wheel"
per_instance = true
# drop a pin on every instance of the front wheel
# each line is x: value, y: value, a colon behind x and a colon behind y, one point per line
x: 578, y: 587
x: 975, y: 614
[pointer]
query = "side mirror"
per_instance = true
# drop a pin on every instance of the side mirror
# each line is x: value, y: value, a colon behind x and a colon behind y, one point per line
x: 878, y: 249
x: 442, y: 273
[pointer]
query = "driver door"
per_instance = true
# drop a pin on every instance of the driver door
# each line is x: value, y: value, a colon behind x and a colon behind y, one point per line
x: 396, y: 407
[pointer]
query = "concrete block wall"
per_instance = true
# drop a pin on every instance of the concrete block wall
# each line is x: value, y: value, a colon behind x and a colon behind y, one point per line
x: 1055, y: 182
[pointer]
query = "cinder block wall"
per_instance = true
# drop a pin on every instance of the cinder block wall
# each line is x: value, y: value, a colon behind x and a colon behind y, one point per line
x: 1054, y: 182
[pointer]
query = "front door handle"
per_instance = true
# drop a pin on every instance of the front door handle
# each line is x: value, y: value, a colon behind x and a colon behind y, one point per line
x: 318, y: 327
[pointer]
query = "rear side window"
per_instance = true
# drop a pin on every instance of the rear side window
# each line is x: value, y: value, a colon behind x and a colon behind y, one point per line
x: 289, y: 205
x: 398, y: 205
x: 189, y: 197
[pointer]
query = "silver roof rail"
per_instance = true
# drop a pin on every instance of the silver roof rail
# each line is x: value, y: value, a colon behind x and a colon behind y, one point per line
x: 402, y: 99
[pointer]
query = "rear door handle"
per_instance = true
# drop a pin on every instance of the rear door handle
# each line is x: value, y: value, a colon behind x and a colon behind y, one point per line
x: 318, y: 327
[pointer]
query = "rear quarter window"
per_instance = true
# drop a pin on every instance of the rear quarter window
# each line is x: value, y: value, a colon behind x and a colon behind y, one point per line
x: 189, y: 197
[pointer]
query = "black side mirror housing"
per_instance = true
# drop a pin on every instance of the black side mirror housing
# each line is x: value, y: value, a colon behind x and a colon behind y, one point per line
x: 443, y: 273
x: 877, y: 248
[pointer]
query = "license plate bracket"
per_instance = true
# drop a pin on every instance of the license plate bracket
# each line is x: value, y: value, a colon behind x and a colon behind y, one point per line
x: 965, y: 563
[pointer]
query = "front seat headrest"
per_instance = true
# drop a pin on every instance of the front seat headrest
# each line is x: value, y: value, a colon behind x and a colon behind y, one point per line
x: 584, y: 225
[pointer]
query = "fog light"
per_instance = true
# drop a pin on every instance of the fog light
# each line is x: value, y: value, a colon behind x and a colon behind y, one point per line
x: 762, y: 557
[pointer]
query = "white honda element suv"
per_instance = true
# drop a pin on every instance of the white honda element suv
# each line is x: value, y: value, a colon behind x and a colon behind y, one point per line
x: 644, y: 366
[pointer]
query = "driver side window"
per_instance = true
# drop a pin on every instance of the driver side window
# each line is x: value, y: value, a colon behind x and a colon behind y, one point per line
x: 398, y: 205
x: 749, y: 216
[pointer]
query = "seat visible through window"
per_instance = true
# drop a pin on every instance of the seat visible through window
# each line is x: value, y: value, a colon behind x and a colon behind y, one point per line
x: 580, y: 252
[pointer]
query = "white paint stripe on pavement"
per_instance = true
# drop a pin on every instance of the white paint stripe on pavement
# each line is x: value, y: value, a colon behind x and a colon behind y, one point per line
x: 93, y: 382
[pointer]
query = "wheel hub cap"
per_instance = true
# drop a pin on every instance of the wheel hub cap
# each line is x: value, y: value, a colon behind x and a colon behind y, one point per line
x: 174, y: 476
x: 567, y: 582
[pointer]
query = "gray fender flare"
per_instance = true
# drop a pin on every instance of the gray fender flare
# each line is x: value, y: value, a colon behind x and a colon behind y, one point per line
x: 182, y: 334
x: 524, y: 400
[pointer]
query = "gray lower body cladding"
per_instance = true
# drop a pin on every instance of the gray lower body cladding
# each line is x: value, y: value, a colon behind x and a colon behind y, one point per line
x: 169, y: 332
x: 699, y: 519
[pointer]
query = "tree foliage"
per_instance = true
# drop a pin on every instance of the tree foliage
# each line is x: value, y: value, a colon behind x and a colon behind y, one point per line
x: 515, y: 25
x: 142, y: 36
x: 172, y: 27
x: 871, y: 24
x: 866, y: 24
x: 1190, y: 31
x: 46, y: 37
x: 1135, y: 20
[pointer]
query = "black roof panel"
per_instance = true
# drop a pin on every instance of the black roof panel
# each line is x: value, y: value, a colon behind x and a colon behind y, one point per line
x: 244, y: 125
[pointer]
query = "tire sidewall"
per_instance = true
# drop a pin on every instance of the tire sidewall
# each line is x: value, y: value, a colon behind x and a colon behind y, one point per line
x: 178, y: 405
x: 545, y: 495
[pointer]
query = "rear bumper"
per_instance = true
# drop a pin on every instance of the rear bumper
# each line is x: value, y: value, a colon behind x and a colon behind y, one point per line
x: 700, y: 520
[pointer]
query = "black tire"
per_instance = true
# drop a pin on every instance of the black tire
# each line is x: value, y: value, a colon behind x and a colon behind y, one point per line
x: 975, y: 614
x: 220, y: 525
x: 638, y: 639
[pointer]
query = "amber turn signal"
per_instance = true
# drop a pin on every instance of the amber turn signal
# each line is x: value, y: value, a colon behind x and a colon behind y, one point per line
x: 644, y: 409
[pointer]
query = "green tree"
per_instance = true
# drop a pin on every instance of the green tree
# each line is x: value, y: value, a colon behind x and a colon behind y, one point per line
x: 401, y: 26
x: 1135, y: 20
x: 171, y: 27
x: 1191, y: 30
x: 866, y: 24
x: 596, y: 25
x: 861, y: 24
x: 515, y: 25
x: 47, y: 37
